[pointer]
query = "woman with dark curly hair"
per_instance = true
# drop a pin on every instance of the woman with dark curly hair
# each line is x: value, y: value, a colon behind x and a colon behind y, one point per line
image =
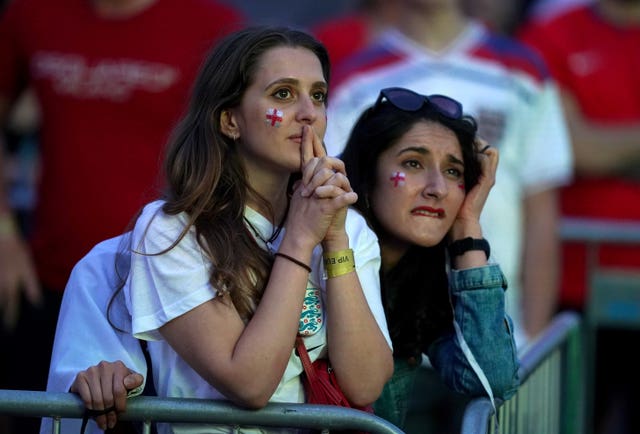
x: 422, y: 178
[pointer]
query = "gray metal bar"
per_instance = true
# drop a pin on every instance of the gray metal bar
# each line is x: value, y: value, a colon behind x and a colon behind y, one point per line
x: 148, y: 408
x: 556, y: 334
x: 476, y: 416
x: 599, y: 230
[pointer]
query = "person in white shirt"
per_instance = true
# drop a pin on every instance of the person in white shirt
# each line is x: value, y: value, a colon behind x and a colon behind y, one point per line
x: 243, y: 241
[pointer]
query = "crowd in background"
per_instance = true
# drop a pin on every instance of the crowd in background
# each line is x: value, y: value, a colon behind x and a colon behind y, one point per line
x: 592, y: 170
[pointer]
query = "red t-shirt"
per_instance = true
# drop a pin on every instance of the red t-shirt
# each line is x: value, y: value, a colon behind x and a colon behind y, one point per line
x: 110, y: 91
x: 599, y: 64
x: 343, y: 36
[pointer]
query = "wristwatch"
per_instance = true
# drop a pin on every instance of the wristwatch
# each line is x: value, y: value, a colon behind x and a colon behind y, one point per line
x: 460, y: 247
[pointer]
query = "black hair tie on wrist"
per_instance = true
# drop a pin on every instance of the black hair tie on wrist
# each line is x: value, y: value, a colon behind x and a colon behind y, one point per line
x: 294, y: 260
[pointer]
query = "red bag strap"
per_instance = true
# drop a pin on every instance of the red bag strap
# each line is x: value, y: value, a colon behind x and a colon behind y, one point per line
x: 304, y: 358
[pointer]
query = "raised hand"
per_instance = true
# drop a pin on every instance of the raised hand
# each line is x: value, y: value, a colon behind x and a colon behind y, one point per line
x: 316, y: 167
x: 469, y: 213
x: 324, y: 179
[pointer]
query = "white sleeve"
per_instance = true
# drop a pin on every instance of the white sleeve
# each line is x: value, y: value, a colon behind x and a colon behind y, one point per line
x: 547, y: 146
x: 163, y: 286
x: 84, y: 336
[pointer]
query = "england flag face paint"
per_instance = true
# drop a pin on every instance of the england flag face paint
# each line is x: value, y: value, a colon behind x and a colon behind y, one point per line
x: 273, y: 117
x: 398, y: 179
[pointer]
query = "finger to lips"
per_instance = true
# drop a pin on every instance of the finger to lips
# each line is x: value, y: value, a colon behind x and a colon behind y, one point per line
x: 318, y: 147
x: 307, y: 147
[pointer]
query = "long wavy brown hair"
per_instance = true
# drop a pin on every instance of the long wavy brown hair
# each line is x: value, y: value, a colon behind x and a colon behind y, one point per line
x: 205, y: 177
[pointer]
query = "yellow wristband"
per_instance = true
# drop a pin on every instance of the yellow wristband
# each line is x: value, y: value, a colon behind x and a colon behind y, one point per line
x: 8, y: 226
x: 339, y: 263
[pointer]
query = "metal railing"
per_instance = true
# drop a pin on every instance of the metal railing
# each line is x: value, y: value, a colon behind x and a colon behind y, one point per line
x: 151, y: 409
x: 599, y: 231
x: 556, y: 370
x: 550, y: 398
x: 614, y: 292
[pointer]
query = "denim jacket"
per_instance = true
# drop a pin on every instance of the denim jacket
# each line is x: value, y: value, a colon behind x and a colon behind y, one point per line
x: 478, y: 302
x: 479, y: 309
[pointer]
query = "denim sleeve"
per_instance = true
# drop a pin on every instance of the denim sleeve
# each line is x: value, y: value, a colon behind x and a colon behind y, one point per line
x: 479, y: 309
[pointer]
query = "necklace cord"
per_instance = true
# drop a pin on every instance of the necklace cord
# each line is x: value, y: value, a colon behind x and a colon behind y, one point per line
x: 276, y: 232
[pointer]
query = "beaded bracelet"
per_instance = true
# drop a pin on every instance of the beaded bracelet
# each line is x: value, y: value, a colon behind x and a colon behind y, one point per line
x: 339, y: 263
x: 294, y: 260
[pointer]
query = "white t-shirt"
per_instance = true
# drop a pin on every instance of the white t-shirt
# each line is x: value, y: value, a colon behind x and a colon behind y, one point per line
x: 163, y: 287
x: 511, y: 97
x: 84, y: 337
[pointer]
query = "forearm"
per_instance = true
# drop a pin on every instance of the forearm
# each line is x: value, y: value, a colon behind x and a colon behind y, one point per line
x: 245, y: 361
x: 358, y: 350
x: 601, y: 149
x: 540, y: 261
x: 264, y: 347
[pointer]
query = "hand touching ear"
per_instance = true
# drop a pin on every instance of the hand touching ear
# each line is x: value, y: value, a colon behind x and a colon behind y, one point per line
x: 469, y: 213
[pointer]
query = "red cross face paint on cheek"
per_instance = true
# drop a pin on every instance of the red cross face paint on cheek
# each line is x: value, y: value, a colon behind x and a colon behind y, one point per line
x: 274, y: 117
x: 461, y: 186
x: 397, y: 178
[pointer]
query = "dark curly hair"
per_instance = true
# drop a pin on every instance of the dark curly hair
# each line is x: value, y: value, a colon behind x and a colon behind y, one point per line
x: 416, y: 291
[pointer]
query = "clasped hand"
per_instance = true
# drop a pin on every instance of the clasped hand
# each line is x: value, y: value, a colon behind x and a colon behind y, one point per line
x: 323, y: 194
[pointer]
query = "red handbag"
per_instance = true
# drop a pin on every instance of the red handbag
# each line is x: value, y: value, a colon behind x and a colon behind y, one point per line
x: 321, y: 385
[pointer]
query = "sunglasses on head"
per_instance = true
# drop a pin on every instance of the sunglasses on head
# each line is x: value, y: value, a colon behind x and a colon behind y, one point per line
x: 410, y: 101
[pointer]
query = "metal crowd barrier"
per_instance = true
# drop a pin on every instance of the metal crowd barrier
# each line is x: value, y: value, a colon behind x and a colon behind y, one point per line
x: 551, y: 398
x: 556, y: 395
x: 150, y: 409
x: 597, y: 231
x: 614, y: 293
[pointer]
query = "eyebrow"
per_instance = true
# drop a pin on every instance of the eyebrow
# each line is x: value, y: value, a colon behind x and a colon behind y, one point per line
x: 295, y: 82
x: 424, y: 151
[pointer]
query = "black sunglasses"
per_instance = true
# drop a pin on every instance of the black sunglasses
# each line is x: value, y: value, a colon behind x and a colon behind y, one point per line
x: 410, y: 101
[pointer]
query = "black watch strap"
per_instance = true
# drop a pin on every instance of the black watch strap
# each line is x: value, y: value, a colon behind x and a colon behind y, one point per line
x: 460, y: 247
